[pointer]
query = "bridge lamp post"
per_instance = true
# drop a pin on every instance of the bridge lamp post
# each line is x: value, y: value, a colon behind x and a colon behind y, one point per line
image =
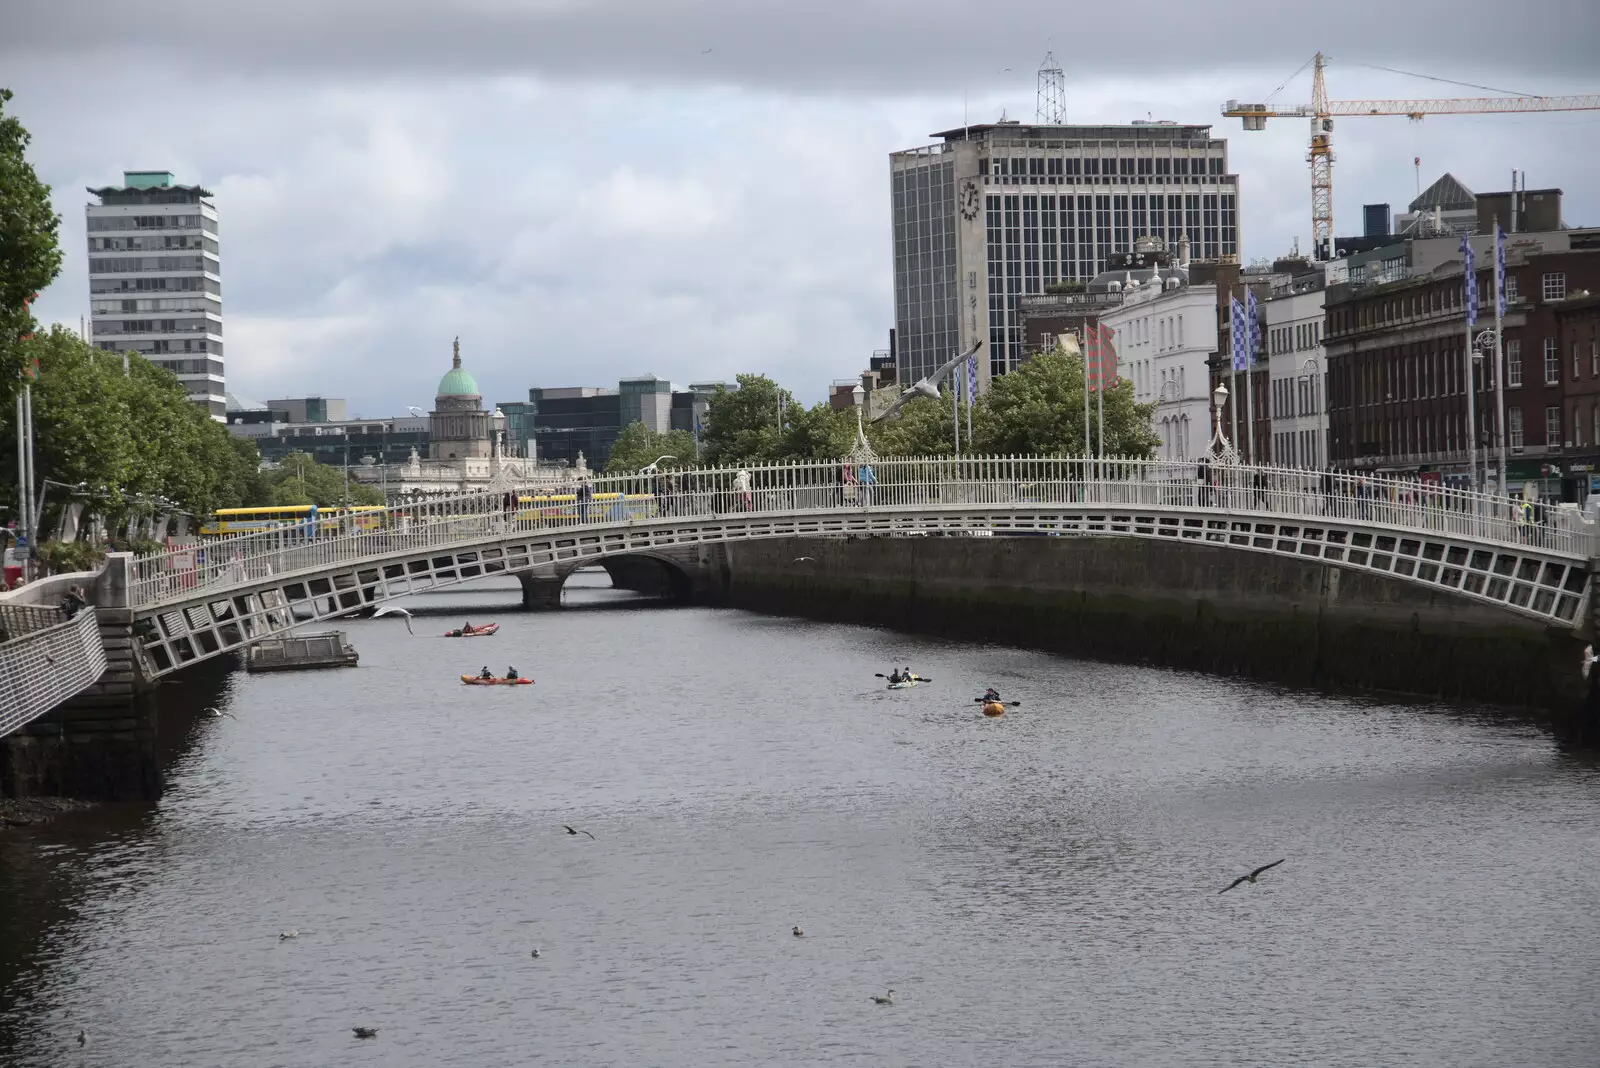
x: 1312, y: 370
x: 1219, y: 398
x: 858, y: 395
x: 1488, y: 343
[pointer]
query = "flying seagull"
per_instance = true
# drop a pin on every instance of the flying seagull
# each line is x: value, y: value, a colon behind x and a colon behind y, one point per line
x: 573, y: 832
x: 705, y: 51
x: 1252, y: 876
x: 925, y: 387
x: 365, y: 1032
x: 885, y: 999
x: 804, y: 559
x: 213, y: 713
x: 394, y: 610
x: 1588, y: 659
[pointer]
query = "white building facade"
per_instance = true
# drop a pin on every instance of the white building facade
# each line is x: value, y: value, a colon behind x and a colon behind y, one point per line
x: 1163, y: 336
x: 1000, y: 211
x: 1298, y: 371
x: 155, y: 280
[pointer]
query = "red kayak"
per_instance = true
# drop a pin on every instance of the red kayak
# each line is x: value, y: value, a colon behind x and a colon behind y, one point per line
x: 474, y: 680
x: 476, y: 632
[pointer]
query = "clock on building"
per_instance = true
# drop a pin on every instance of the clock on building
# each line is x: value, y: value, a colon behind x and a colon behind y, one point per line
x: 970, y: 199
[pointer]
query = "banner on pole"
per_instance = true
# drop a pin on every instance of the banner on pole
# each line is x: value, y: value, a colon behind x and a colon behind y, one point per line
x: 1499, y: 271
x: 1253, y: 325
x: 1470, y: 279
x: 1238, y: 334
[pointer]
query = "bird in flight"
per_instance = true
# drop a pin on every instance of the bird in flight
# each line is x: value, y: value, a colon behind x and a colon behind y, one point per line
x: 212, y: 713
x: 705, y: 51
x: 393, y: 610
x: 805, y: 559
x: 365, y: 1032
x: 574, y: 832
x: 885, y: 999
x: 1252, y: 876
x: 1588, y: 659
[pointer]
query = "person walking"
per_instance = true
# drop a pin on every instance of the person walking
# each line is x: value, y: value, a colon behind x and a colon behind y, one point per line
x: 585, y: 495
x: 869, y: 478
x: 741, y: 489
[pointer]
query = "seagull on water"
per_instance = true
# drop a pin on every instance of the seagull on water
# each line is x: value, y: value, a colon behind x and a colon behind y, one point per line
x: 535, y: 952
x: 885, y: 999
x: 83, y: 1037
x: 365, y: 1032
x: 574, y: 832
x: 798, y: 933
x: 215, y: 713
x: 1252, y: 876
x: 293, y: 932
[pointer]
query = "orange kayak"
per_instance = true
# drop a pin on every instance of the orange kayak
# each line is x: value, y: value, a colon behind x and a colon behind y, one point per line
x: 993, y: 708
x: 476, y: 632
x: 473, y: 680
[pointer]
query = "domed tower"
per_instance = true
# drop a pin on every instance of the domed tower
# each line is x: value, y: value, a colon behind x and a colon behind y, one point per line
x: 458, y: 427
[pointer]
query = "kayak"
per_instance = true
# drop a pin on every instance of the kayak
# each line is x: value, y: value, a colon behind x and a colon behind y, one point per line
x: 993, y: 708
x: 473, y: 680
x: 477, y: 632
x: 908, y: 683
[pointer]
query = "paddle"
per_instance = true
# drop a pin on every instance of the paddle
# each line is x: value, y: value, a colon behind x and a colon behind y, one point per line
x: 984, y: 700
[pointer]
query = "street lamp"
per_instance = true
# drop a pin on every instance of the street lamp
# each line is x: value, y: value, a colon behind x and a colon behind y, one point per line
x: 859, y: 396
x: 1219, y: 397
x: 1307, y: 370
x: 1489, y: 342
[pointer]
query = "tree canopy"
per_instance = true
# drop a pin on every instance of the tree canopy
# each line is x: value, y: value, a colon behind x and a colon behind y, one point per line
x: 1037, y: 408
x: 128, y: 438
x: 638, y: 446
x: 30, y: 257
x: 299, y: 479
x: 746, y: 424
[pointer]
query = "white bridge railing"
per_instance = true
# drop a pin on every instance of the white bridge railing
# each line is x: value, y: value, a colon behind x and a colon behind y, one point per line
x: 919, y: 484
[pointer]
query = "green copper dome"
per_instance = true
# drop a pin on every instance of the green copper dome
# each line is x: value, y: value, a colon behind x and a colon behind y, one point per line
x: 457, y: 382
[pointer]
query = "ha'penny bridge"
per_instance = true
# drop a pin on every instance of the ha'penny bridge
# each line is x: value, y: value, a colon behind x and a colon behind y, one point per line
x: 158, y: 614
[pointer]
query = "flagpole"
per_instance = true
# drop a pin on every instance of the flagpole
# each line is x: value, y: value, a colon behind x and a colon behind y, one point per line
x: 1250, y: 405
x: 1100, y: 396
x: 1088, y: 344
x: 1469, y: 300
x: 955, y: 408
x: 972, y: 374
x: 1499, y: 358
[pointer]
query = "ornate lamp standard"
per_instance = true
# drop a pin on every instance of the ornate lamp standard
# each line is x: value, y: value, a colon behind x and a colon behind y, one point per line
x: 1312, y: 370
x: 1488, y: 342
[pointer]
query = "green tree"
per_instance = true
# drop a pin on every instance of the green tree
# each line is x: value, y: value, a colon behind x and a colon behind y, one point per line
x: 819, y: 432
x: 299, y: 479
x: 1038, y: 409
x: 30, y: 258
x: 638, y: 446
x: 921, y: 428
x: 743, y: 425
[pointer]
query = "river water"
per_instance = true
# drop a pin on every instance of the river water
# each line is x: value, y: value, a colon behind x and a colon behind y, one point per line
x: 1038, y: 890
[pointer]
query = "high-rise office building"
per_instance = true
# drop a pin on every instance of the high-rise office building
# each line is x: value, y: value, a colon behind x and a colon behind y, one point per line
x: 155, y: 285
x: 998, y: 211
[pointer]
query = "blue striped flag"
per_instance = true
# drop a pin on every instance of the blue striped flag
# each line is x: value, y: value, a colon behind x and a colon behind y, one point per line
x: 972, y: 377
x: 1470, y: 279
x: 1239, y: 334
x: 1253, y: 321
x: 1499, y: 270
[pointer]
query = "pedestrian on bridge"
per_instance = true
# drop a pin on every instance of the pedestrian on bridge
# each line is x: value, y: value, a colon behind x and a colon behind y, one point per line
x: 585, y: 495
x: 741, y: 488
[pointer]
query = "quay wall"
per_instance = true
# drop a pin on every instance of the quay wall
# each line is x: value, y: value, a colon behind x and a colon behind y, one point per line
x: 1182, y: 605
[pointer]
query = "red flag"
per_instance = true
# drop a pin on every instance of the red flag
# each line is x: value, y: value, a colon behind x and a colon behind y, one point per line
x: 1091, y: 356
x: 1106, y: 365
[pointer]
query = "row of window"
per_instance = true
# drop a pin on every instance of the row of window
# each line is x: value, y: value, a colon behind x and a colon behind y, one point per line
x: 157, y: 326
x: 1175, y: 437
x: 152, y: 243
x: 190, y: 283
x: 1126, y: 166
x: 156, y: 304
x: 1172, y: 385
x: 1552, y: 286
x: 1430, y: 433
x: 152, y: 222
x: 120, y: 264
x: 150, y: 348
x: 1297, y: 448
x: 1297, y: 338
x: 1297, y: 396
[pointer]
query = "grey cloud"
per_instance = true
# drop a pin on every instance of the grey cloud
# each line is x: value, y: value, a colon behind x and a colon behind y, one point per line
x: 882, y: 46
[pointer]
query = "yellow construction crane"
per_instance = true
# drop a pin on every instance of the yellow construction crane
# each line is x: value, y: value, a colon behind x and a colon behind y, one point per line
x: 1322, y: 111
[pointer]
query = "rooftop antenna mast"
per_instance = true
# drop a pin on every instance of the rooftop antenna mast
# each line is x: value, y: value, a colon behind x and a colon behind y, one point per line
x: 1051, y: 106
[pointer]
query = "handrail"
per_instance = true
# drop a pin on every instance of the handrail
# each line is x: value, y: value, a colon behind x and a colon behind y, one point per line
x: 41, y: 669
x: 915, y: 483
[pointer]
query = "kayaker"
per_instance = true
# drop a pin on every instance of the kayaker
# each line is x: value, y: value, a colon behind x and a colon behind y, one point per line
x: 486, y: 674
x: 466, y: 628
x: 511, y: 674
x: 991, y: 695
x: 895, y: 676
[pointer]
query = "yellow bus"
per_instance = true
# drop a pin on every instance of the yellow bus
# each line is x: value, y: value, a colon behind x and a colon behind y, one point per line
x: 249, y: 520
x: 602, y: 506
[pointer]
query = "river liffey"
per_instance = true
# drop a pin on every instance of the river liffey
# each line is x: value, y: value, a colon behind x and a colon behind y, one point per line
x: 1040, y: 889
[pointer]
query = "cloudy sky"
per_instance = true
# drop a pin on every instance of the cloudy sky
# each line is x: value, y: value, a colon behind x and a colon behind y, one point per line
x: 589, y: 189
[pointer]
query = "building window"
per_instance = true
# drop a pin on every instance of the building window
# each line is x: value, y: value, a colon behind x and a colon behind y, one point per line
x: 1594, y: 424
x: 1555, y: 286
x: 1577, y: 362
x: 1594, y: 361
x: 1514, y: 427
x: 1513, y: 364
x: 1511, y: 288
x: 1552, y: 427
x: 1552, y: 362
